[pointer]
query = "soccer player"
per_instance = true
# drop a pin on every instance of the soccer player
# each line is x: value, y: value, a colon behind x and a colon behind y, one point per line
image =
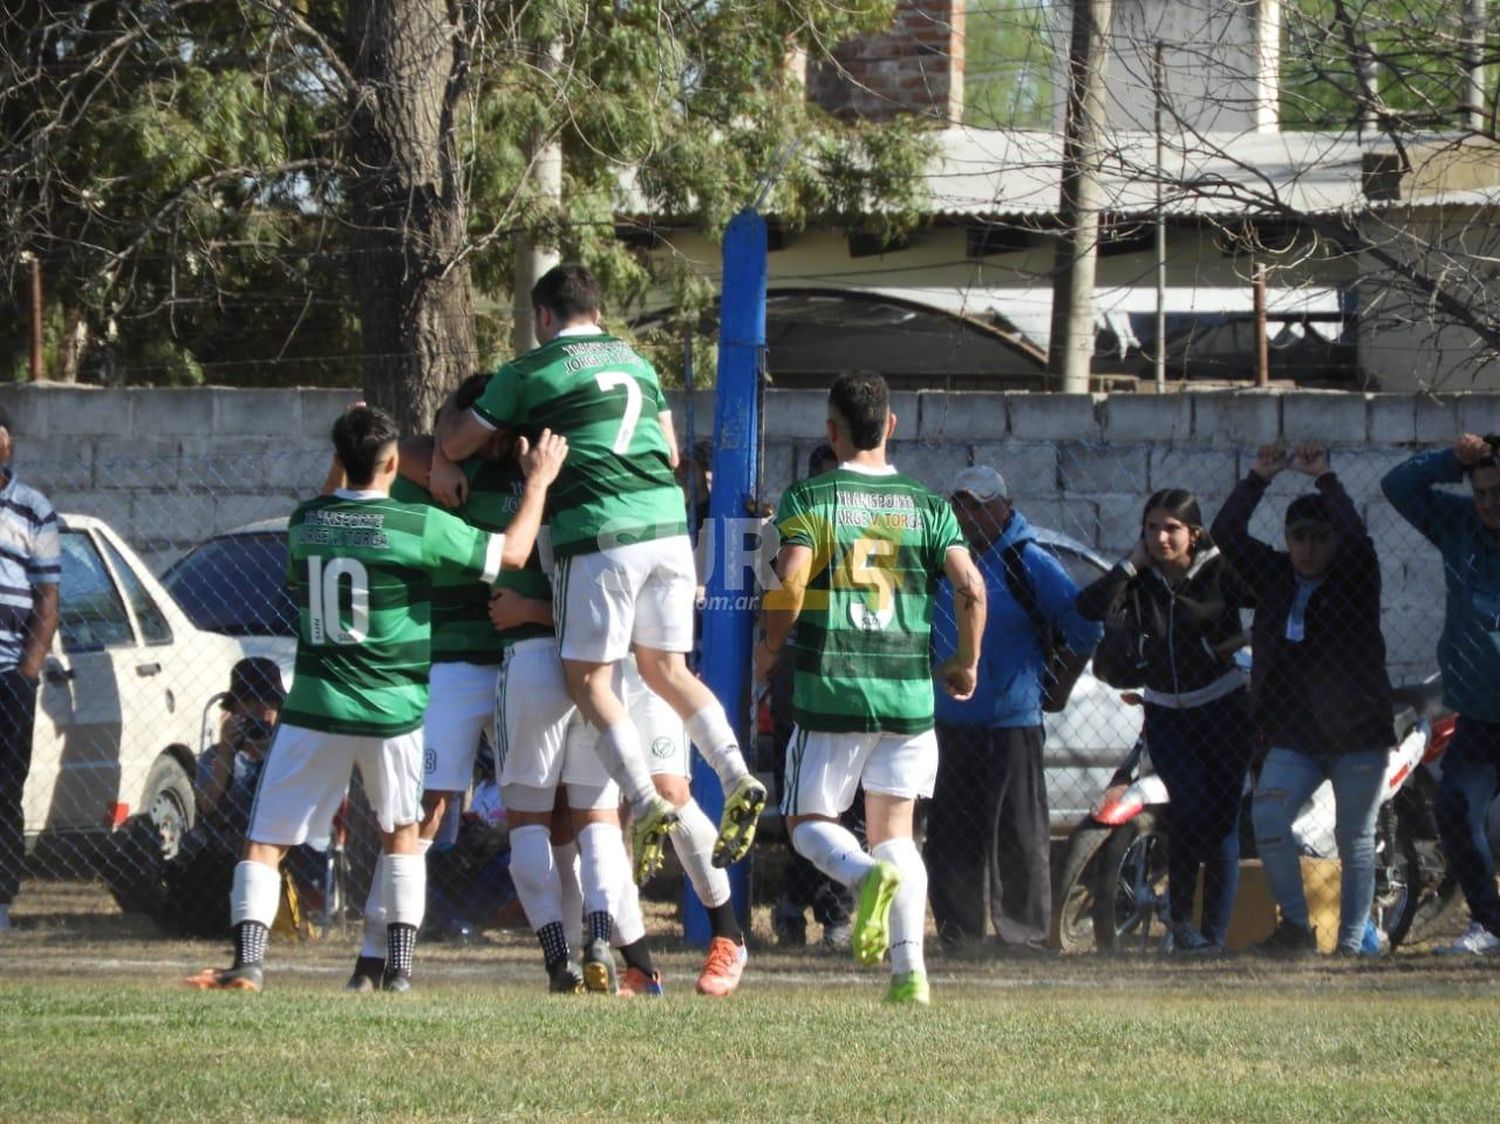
x: 466, y: 648
x: 862, y: 550
x: 360, y: 570
x: 625, y: 577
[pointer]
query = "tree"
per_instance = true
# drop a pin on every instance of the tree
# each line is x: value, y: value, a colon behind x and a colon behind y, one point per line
x: 176, y: 158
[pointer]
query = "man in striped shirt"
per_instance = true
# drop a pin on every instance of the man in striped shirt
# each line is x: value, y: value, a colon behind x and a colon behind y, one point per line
x: 29, y: 574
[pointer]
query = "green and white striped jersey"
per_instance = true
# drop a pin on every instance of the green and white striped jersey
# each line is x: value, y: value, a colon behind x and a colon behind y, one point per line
x: 860, y: 652
x: 360, y: 571
x: 461, y: 628
x: 617, y: 485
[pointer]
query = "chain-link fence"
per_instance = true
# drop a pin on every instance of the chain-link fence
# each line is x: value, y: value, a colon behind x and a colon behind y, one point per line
x: 173, y: 569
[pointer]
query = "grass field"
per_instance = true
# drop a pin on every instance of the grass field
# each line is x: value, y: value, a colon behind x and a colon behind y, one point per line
x: 94, y: 1026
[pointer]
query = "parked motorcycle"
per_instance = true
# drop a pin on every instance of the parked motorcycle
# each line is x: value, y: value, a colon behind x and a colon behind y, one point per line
x: 1110, y: 890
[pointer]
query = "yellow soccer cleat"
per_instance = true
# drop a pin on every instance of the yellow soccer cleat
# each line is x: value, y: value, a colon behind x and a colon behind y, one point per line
x: 742, y: 807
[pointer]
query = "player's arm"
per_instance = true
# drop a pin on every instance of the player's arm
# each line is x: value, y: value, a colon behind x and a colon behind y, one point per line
x: 512, y: 609
x: 959, y: 674
x: 781, y: 607
x: 414, y: 459
x: 669, y: 431
x: 541, y: 463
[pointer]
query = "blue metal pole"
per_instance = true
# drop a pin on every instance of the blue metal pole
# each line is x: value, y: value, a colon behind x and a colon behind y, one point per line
x: 728, y: 620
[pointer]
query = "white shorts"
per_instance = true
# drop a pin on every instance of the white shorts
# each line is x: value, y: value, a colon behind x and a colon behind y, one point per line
x: 642, y: 593
x: 460, y: 708
x: 824, y: 770
x: 532, y: 714
x: 307, y: 774
x: 588, y: 785
x: 663, y: 735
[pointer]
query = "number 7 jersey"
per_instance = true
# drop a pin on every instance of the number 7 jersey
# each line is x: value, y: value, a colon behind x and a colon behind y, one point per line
x: 360, y: 573
x: 617, y: 486
x: 879, y: 542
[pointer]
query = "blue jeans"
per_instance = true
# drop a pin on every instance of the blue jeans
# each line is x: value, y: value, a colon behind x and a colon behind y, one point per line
x: 1287, y: 779
x: 1471, y: 777
x: 1202, y: 755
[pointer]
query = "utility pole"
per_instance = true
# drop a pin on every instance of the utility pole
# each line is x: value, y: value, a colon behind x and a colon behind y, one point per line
x: 1071, y: 348
x: 37, y: 371
x: 1473, y: 84
x: 533, y: 256
x: 1159, y: 83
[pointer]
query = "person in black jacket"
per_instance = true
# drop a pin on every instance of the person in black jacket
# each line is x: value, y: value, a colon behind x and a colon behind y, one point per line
x: 1181, y: 600
x: 1319, y: 693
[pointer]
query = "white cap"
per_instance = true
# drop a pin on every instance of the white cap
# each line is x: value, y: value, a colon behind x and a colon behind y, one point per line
x: 980, y: 481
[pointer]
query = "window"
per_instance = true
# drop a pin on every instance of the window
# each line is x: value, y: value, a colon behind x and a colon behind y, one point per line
x: 91, y: 614
x: 236, y: 585
x: 154, y: 626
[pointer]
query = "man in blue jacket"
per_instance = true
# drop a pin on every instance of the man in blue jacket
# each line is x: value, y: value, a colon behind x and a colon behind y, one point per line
x: 988, y: 836
x: 1467, y: 532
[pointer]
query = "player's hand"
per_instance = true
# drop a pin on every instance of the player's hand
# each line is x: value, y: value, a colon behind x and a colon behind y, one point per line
x: 1269, y: 461
x: 765, y: 661
x: 1472, y: 449
x: 543, y: 461
x: 1311, y: 459
x: 446, y: 481
x: 959, y: 679
x: 509, y: 609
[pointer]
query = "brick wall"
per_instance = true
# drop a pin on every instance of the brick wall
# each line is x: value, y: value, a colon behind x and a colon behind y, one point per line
x: 917, y: 66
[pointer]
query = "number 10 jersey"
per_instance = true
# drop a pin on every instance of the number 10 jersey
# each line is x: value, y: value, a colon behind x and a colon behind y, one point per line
x: 360, y: 571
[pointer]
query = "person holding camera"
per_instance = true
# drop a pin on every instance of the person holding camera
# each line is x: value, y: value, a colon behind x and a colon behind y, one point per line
x: 1320, y: 696
x: 1467, y: 532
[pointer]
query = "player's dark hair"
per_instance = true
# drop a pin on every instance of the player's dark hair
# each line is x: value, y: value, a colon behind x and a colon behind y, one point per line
x: 361, y: 437
x: 1491, y: 461
x: 568, y: 290
x: 1179, y: 504
x: 470, y: 389
x: 4, y: 418
x: 822, y: 459
x: 863, y: 401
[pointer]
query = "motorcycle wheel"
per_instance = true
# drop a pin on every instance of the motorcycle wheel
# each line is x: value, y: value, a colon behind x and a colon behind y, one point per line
x: 1398, y: 875
x: 1130, y: 887
x: 1073, y: 890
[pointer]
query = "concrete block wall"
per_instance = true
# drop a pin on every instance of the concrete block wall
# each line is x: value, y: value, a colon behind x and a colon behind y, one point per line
x: 168, y: 468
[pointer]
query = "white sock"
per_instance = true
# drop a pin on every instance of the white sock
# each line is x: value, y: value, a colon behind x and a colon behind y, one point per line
x: 405, y: 889
x: 909, y: 910
x: 711, y: 732
x: 534, y: 872
x: 694, y: 843
x: 565, y: 857
x: 373, y: 939
x: 833, y: 849
x: 619, y: 749
x: 630, y: 924
x: 601, y: 848
x: 255, y: 894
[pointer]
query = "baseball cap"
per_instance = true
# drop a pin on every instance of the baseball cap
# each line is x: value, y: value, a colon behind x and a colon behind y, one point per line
x: 1308, y: 513
x: 980, y: 481
x: 257, y: 679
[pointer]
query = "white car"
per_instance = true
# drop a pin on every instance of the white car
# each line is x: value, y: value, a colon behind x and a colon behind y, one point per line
x: 120, y: 711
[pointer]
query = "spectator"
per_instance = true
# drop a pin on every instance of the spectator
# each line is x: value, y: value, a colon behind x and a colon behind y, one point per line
x: 30, y: 570
x: 805, y: 887
x: 988, y: 834
x: 1180, y: 600
x: 229, y: 769
x: 1468, y: 534
x: 1319, y: 693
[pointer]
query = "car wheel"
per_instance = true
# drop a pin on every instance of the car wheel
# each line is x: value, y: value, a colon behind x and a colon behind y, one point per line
x: 1130, y: 887
x: 168, y: 804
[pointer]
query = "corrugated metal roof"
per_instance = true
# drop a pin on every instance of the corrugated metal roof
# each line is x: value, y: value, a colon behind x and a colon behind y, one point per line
x: 984, y: 173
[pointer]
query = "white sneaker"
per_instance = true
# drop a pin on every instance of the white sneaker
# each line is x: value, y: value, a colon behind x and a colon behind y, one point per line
x: 1478, y: 941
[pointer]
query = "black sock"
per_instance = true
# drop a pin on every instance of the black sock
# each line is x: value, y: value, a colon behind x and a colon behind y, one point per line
x: 249, y: 943
x: 554, y: 944
x: 400, y: 948
x: 637, y: 955
x: 725, y: 923
x: 601, y: 926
